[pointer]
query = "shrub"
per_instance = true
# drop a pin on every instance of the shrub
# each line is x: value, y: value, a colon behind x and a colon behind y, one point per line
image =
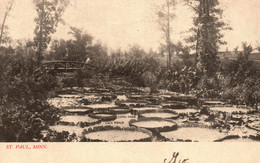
x: 25, y: 89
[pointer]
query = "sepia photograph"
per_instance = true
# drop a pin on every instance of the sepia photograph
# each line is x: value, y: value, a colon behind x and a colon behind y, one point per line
x: 158, y: 71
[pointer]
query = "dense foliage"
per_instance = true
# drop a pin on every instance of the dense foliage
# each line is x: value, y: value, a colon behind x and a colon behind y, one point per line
x: 241, y: 79
x: 25, y: 89
x: 80, y: 48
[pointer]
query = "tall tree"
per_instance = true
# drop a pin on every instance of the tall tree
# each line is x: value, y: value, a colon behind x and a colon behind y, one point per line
x: 165, y: 16
x: 207, y: 36
x: 49, y: 15
x: 8, y: 9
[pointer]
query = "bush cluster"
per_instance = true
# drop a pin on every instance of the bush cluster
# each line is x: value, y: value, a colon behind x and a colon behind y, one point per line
x: 25, y: 88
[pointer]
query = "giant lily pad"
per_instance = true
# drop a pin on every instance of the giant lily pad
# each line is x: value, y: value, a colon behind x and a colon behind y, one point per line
x: 185, y: 111
x: 165, y: 114
x: 174, y: 105
x: 78, y: 120
x: 229, y: 109
x: 70, y: 96
x: 119, y: 110
x: 146, y: 108
x: 240, y: 140
x: 213, y: 103
x: 103, y: 116
x: 154, y: 124
x: 116, y: 134
x: 132, y: 103
x: 77, y: 110
x: 194, y: 134
x: 101, y: 106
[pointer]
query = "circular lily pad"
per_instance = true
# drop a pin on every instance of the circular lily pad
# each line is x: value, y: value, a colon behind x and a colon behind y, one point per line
x: 194, y: 134
x: 77, y: 110
x: 132, y: 103
x: 78, y: 120
x: 154, y: 124
x: 135, y: 96
x: 175, y: 105
x: 101, y: 106
x: 229, y: 109
x: 70, y: 96
x: 185, y: 111
x: 190, y: 99
x: 213, y: 103
x: 119, y: 110
x: 240, y: 140
x: 116, y: 134
x: 165, y: 114
x: 103, y: 116
x: 146, y: 108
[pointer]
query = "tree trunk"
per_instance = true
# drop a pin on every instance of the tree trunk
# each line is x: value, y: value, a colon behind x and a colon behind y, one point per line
x: 168, y: 35
x: 39, y: 52
x: 4, y: 20
x: 198, y: 35
x: 2, y: 27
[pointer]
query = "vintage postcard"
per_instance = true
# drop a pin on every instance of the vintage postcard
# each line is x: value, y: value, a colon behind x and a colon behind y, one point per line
x: 174, y: 81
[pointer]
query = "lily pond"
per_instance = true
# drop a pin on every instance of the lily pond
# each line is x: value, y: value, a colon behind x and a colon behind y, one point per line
x: 103, y: 115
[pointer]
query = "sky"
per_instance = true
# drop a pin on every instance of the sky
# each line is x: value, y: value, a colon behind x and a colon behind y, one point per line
x: 122, y: 23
